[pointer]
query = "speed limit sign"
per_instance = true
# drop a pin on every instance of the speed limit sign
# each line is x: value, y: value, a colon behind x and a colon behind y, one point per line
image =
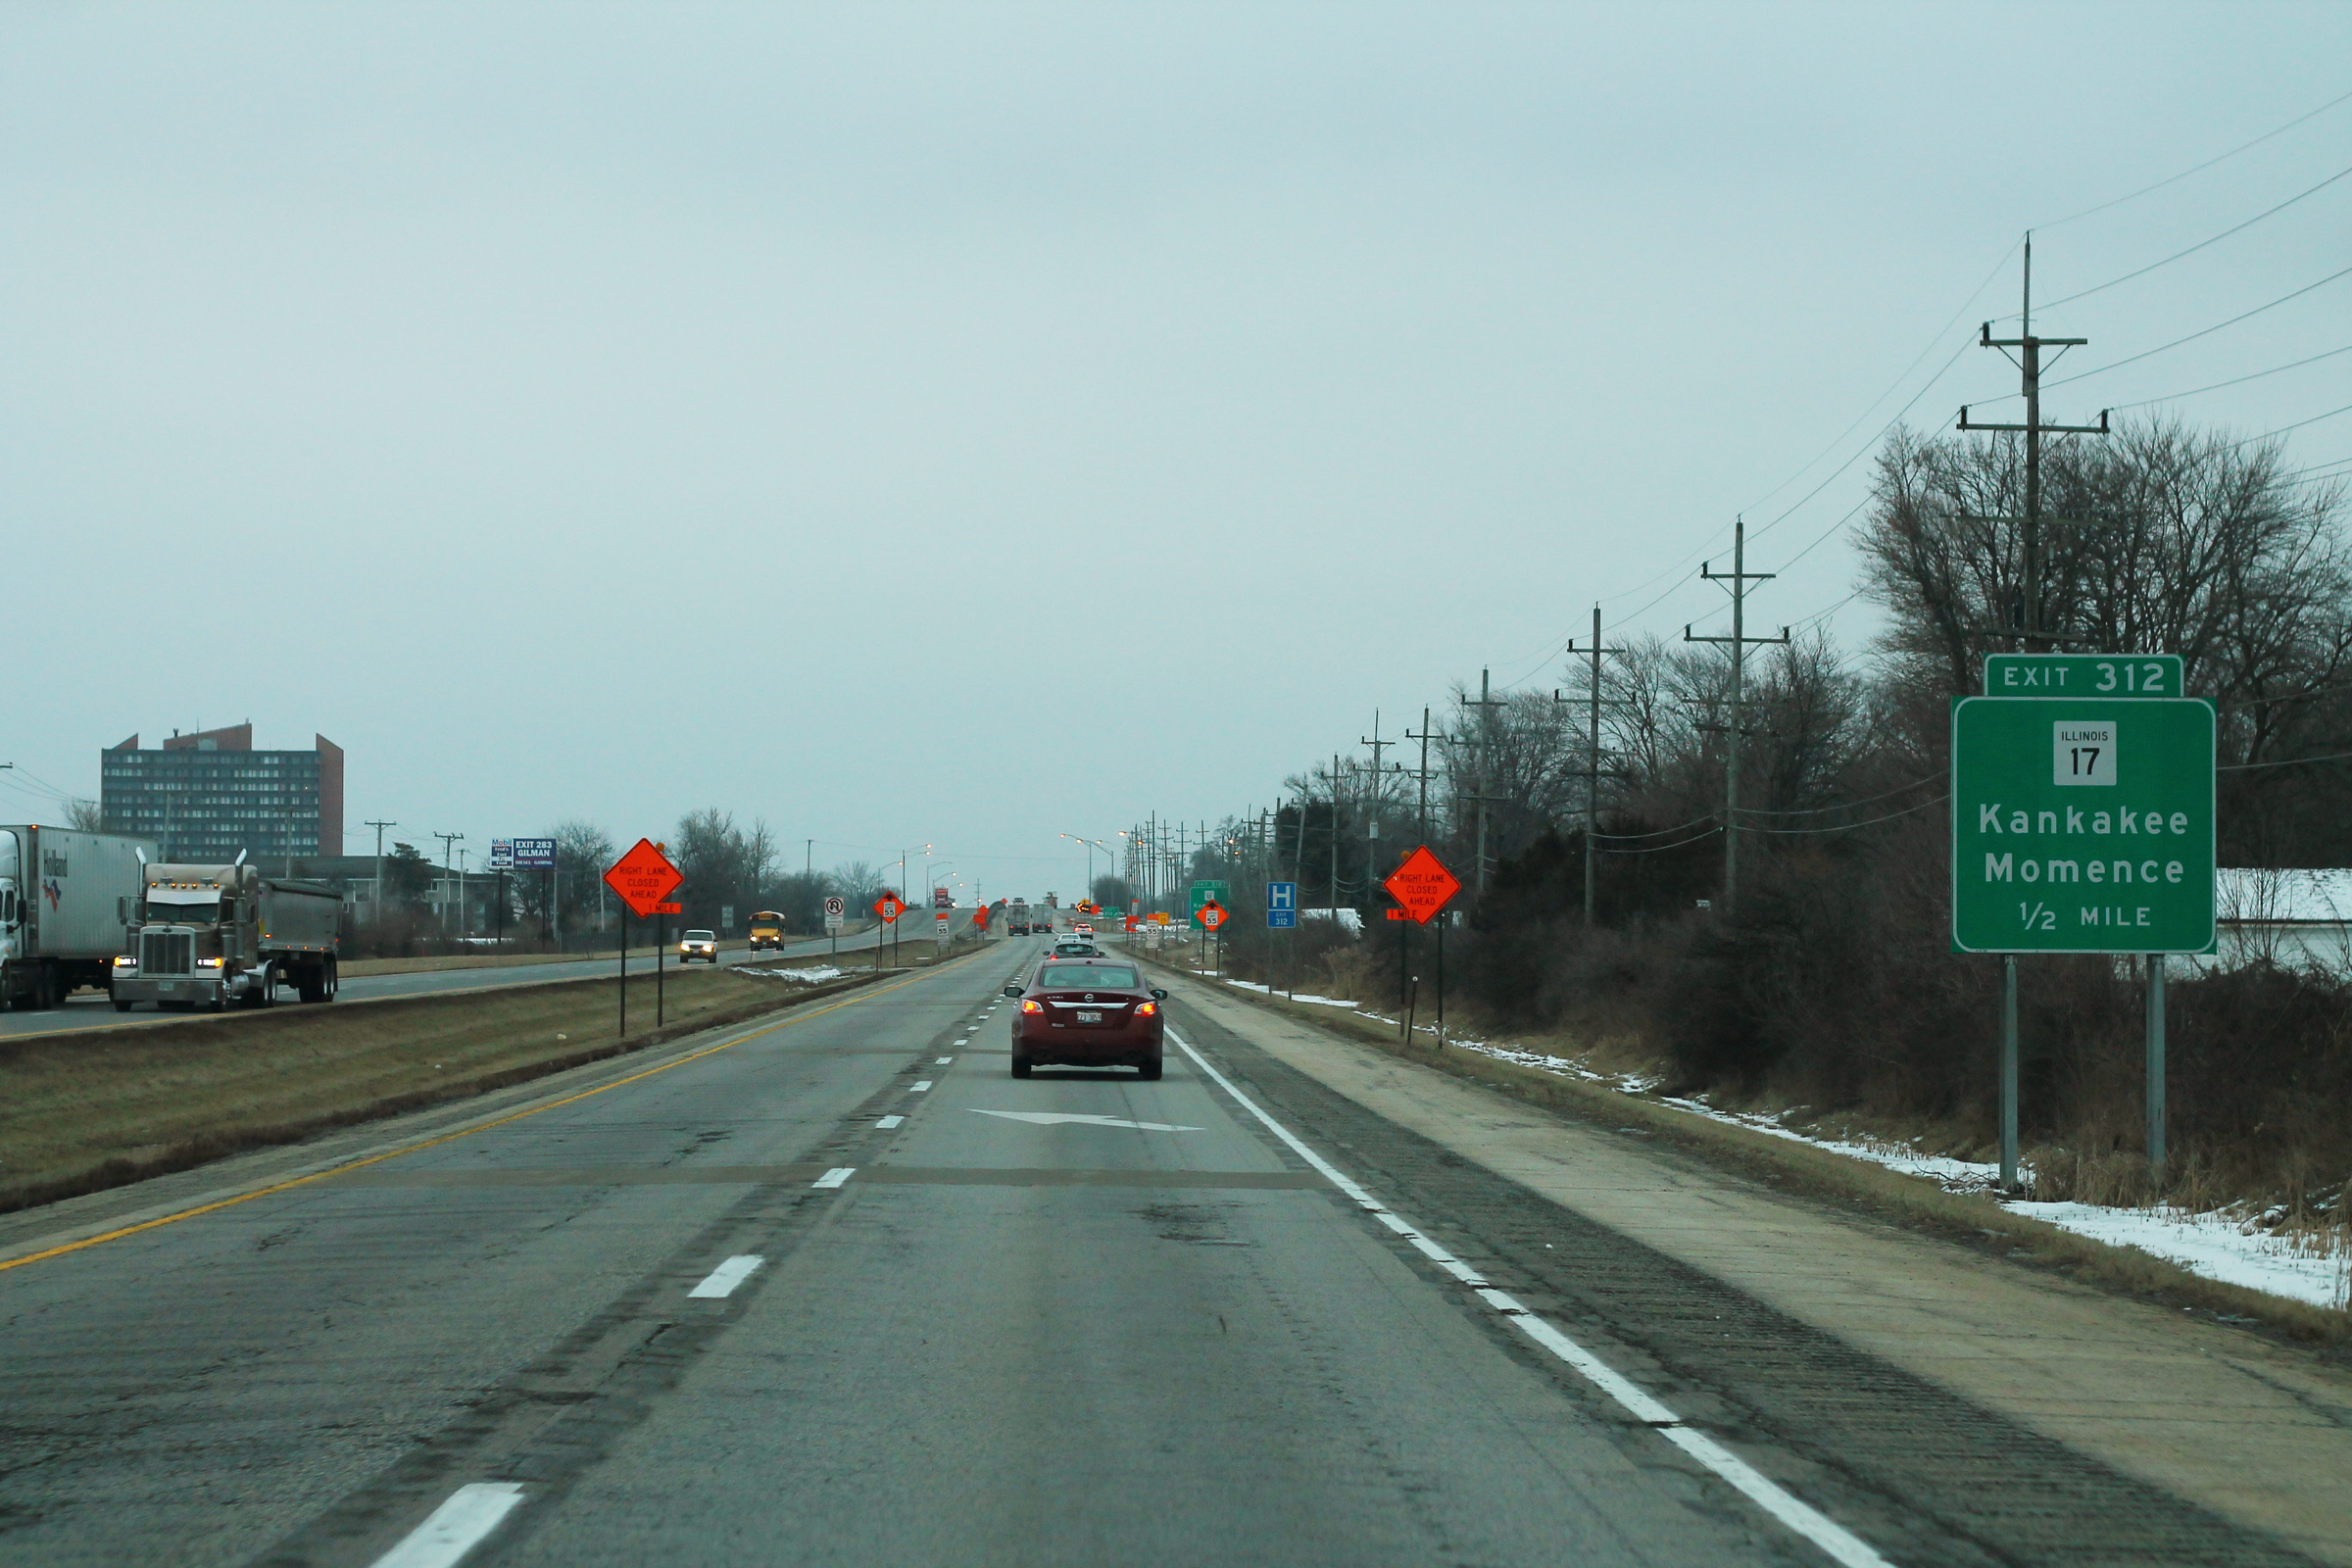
x: 834, y: 909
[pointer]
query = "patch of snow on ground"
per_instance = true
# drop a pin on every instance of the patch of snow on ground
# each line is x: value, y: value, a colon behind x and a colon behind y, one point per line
x: 808, y: 977
x: 1320, y: 1001
x: 2213, y: 1245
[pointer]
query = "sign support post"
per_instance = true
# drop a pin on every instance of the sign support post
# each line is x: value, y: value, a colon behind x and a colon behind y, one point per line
x: 1422, y: 887
x: 2155, y: 1089
x: 644, y: 878
x: 2008, y: 1072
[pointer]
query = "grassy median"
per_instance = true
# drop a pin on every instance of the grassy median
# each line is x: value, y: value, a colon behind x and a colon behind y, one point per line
x: 89, y: 1110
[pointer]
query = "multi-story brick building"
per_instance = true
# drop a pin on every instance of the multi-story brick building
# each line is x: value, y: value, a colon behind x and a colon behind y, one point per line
x: 205, y: 797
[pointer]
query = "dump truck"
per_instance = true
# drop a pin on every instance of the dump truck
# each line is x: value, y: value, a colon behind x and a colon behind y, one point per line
x: 209, y: 935
x: 64, y: 897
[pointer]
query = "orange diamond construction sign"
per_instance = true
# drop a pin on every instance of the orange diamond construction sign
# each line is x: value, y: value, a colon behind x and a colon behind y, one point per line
x: 1422, y: 886
x: 644, y: 878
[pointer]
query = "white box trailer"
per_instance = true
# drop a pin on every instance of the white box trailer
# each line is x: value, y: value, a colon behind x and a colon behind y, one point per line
x: 65, y: 898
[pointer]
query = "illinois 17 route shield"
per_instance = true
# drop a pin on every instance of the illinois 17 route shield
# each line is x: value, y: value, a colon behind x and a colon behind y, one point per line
x: 2082, y: 826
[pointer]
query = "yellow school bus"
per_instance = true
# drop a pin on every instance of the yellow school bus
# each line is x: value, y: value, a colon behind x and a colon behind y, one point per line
x: 767, y: 930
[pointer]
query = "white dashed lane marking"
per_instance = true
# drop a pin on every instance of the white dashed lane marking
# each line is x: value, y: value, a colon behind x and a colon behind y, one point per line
x: 920, y: 1087
x: 457, y: 1527
x: 835, y: 1177
x: 888, y: 1122
x: 721, y: 1280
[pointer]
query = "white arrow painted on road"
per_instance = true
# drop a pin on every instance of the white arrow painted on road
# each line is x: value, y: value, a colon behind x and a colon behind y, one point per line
x: 1050, y: 1118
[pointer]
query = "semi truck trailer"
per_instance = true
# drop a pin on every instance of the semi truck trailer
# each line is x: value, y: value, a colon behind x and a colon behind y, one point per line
x: 209, y: 935
x: 64, y: 896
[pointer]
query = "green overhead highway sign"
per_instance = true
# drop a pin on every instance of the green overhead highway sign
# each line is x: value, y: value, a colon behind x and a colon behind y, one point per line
x: 2082, y: 826
x: 1206, y: 893
x: 2082, y: 675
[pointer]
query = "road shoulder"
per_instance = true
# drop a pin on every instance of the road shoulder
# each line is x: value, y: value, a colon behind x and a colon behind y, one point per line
x: 2254, y: 1430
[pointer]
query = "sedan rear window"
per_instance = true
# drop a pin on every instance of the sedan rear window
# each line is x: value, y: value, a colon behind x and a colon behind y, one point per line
x: 1088, y: 977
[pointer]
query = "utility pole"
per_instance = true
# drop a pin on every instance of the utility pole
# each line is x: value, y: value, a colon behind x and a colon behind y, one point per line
x: 1335, y: 840
x: 2029, y: 364
x: 1424, y: 737
x: 2031, y: 634
x: 1594, y: 652
x: 447, y: 839
x: 1486, y: 706
x: 1738, y: 577
x: 1372, y: 804
x: 379, y: 827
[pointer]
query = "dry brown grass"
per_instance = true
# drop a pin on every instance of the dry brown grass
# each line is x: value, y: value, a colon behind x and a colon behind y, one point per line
x: 1795, y: 1168
x: 81, y: 1112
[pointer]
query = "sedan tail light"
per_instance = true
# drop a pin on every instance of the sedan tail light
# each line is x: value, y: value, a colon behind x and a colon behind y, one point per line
x: 1032, y: 1004
x: 1145, y: 1009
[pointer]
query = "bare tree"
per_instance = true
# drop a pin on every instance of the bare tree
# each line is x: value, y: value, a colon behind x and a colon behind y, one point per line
x: 83, y: 815
x: 2167, y: 541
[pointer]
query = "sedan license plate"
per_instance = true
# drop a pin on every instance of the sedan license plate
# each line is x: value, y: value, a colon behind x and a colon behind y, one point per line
x: 1089, y: 1017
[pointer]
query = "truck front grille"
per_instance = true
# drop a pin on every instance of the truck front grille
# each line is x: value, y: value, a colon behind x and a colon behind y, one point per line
x: 167, y: 952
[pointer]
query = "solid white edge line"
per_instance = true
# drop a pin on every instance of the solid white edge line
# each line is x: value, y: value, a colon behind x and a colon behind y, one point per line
x: 465, y: 1516
x: 721, y: 1280
x: 835, y: 1177
x: 1841, y: 1545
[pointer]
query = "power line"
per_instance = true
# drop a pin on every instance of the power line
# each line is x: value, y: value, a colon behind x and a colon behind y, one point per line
x: 1849, y: 826
x: 1758, y: 503
x: 2292, y: 761
x: 2207, y: 332
x: 2174, y: 179
x: 1655, y: 849
x: 1965, y: 305
x: 2199, y: 245
x: 2172, y: 397
x: 1843, y: 806
x: 2282, y: 430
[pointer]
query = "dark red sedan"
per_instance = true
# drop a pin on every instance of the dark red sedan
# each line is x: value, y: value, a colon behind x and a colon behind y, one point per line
x: 1087, y: 1012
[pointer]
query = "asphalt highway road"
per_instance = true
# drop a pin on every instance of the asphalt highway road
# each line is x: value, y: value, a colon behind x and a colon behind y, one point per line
x: 88, y: 1010
x: 842, y: 1291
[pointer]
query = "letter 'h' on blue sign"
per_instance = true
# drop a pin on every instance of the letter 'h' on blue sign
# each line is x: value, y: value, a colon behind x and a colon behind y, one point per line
x: 1282, y: 906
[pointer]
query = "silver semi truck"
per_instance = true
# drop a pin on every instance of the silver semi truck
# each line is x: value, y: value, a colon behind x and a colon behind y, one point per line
x: 206, y: 936
x: 63, y: 897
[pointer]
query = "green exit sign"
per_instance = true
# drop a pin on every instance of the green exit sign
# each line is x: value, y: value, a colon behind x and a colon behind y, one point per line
x: 2082, y: 824
x: 2084, y: 675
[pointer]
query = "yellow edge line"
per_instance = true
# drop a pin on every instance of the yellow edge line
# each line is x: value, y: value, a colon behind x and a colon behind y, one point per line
x: 445, y: 1138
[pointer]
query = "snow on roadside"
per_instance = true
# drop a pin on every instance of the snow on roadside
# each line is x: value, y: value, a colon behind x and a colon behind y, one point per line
x: 1320, y: 1001
x: 806, y: 977
x: 2215, y: 1244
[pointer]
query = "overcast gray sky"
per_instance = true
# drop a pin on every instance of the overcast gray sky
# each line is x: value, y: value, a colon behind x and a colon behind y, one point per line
x: 970, y: 425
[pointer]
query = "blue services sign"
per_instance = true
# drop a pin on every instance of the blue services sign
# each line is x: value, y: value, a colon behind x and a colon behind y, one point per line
x: 1282, y: 906
x: 535, y: 855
